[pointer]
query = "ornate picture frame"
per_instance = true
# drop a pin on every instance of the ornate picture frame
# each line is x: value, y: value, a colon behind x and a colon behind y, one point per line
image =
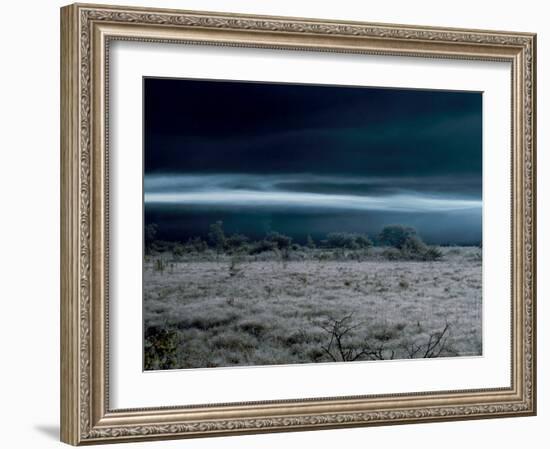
x: 87, y: 32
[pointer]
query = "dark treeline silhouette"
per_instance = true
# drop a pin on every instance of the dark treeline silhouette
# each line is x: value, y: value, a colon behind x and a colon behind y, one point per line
x: 399, y: 241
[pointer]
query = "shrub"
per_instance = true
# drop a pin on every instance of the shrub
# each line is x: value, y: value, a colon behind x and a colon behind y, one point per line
x: 310, y: 243
x: 363, y: 241
x: 358, y: 255
x: 323, y: 256
x: 381, y: 342
x: 160, y: 348
x: 234, y: 262
x: 413, y: 248
x: 255, y: 328
x: 160, y: 265
x: 149, y: 234
x: 217, y: 236
x: 340, y: 240
x: 432, y: 253
x: 282, y: 241
x: 236, y: 242
x: 196, y: 244
x: 348, y: 240
x: 392, y: 254
x: 339, y: 254
x: 262, y: 246
x: 159, y: 246
x: 284, y: 256
x: 178, y: 250
x: 396, y: 235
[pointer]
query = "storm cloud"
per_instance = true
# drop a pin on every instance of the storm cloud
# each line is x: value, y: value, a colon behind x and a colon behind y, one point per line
x: 308, y: 159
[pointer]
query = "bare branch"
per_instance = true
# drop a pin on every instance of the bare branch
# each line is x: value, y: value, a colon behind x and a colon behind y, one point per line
x: 341, y: 348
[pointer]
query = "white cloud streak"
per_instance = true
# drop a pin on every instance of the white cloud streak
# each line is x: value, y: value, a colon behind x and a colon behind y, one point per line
x: 281, y: 199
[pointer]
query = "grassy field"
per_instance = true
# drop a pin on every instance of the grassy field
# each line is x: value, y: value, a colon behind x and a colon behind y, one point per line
x: 225, y: 310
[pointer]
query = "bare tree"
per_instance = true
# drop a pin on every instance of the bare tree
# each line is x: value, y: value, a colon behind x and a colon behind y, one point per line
x: 341, y: 351
x: 340, y: 347
x: 436, y: 344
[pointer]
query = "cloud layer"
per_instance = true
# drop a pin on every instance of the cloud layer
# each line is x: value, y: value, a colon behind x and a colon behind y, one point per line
x: 309, y: 192
x: 311, y: 159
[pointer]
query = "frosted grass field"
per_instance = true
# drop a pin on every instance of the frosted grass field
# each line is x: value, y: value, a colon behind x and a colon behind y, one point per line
x: 318, y: 306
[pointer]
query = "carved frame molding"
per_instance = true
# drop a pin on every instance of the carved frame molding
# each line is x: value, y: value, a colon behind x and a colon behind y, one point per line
x: 87, y: 31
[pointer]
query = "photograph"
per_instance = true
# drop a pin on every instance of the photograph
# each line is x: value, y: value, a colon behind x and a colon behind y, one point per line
x: 302, y: 223
x: 284, y: 220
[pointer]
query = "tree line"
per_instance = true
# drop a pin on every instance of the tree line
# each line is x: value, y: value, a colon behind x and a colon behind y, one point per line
x: 400, y: 242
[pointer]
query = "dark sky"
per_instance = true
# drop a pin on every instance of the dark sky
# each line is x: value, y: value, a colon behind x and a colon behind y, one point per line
x: 264, y: 155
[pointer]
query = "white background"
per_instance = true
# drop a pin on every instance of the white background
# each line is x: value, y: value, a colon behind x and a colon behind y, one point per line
x: 130, y: 387
x: 29, y: 225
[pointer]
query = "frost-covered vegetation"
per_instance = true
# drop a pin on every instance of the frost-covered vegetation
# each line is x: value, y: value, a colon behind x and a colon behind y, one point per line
x: 229, y: 300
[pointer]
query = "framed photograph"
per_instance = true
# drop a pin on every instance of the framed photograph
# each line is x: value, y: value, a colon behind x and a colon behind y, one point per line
x: 280, y: 224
